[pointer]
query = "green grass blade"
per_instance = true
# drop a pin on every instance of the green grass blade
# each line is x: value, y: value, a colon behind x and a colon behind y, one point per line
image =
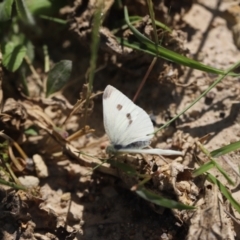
x: 53, y: 19
x: 95, y: 43
x: 152, y: 16
x: 209, y: 165
x: 94, y: 46
x: 202, y: 95
x: 203, y: 169
x: 164, y: 53
x: 12, y: 185
x: 223, y: 172
x: 121, y: 25
x: 24, y: 80
x: 224, y: 191
x: 226, y: 149
x: 212, y: 163
x: 161, y: 201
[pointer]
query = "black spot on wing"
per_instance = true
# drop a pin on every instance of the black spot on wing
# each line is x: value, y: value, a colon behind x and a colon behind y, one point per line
x: 129, y: 117
x: 119, y: 107
x: 108, y: 91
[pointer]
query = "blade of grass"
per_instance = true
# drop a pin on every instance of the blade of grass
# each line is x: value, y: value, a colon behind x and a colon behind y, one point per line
x: 202, y: 95
x: 13, y: 185
x: 134, y: 19
x: 94, y: 50
x: 226, y: 149
x: 223, y: 172
x: 53, y: 19
x: 163, y: 52
x: 152, y: 16
x: 94, y: 44
x: 161, y: 201
x: 24, y: 81
x: 219, y: 168
x: 203, y: 169
x: 207, y: 166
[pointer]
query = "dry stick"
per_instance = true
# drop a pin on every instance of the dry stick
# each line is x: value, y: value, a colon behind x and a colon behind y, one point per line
x: 46, y: 67
x: 85, y: 130
x: 14, y: 159
x: 145, y: 78
x: 33, y: 70
x: 78, y: 105
x: 12, y: 173
x: 151, y: 12
x: 19, y: 149
x: 68, y: 212
x: 46, y: 59
x: 232, y: 217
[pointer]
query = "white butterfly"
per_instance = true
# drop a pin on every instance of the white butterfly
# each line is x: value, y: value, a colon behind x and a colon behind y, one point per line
x: 128, y: 126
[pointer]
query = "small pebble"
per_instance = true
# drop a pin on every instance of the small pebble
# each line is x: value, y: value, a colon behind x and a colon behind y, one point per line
x: 29, y: 181
x: 40, y: 166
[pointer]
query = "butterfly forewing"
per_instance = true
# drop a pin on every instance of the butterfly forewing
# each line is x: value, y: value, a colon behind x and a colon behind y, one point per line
x: 125, y: 123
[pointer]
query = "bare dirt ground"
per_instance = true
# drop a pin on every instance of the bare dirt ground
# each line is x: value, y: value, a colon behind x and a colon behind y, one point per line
x: 74, y: 202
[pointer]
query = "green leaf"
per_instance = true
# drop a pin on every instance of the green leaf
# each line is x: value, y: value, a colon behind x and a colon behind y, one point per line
x: 30, y: 50
x: 161, y: 201
x: 224, y: 191
x: 21, y: 39
x: 58, y: 76
x: 13, y: 56
x: 226, y: 149
x: 5, y: 10
x: 23, y: 12
x: 31, y: 132
x: 45, y: 7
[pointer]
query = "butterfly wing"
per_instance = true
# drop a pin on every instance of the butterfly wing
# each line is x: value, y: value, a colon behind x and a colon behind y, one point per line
x: 124, y: 122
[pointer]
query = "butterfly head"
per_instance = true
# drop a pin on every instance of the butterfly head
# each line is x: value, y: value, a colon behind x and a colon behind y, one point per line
x: 111, y: 149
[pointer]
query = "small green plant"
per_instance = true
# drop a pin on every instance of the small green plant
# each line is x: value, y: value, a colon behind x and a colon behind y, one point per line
x: 17, y: 47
